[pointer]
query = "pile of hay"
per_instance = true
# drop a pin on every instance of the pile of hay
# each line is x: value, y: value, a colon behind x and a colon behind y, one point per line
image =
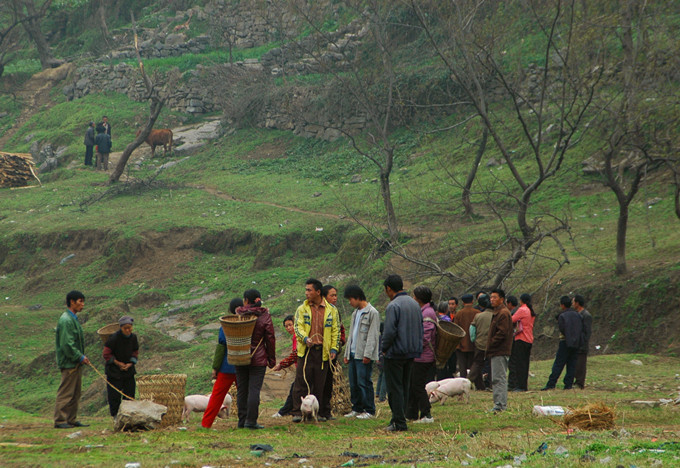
x: 591, y: 417
x: 340, y: 400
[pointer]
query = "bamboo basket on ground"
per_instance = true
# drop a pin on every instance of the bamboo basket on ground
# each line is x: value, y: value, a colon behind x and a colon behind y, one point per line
x: 448, y: 337
x: 238, y: 330
x: 107, y: 330
x: 166, y: 390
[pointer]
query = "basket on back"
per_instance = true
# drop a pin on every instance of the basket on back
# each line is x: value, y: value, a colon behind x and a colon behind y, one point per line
x: 238, y: 330
x: 448, y: 337
x: 108, y: 330
x: 166, y: 390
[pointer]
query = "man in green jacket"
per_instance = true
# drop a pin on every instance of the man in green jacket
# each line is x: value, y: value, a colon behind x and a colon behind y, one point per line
x: 70, y: 358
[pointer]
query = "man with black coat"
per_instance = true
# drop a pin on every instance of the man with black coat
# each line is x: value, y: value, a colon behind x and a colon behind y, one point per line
x: 579, y: 304
x: 89, y: 144
x: 402, y: 341
x: 570, y: 326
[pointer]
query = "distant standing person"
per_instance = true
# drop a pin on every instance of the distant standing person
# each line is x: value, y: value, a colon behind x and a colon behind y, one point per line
x: 288, y: 324
x: 249, y: 378
x: 402, y: 341
x: 121, y: 352
x: 89, y: 143
x: 223, y: 373
x: 570, y: 325
x: 479, y: 335
x: 107, y: 126
x: 523, y: 319
x: 70, y: 351
x: 103, y: 142
x: 466, y: 350
x: 361, y: 352
x: 423, y: 369
x: 330, y: 293
x: 498, y: 349
x: 579, y: 304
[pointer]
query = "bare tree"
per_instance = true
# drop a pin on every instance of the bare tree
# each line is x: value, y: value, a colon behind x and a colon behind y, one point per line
x: 157, y: 96
x: 9, y: 36
x: 634, y: 124
x: 365, y: 81
x: 31, y: 14
x: 549, y: 115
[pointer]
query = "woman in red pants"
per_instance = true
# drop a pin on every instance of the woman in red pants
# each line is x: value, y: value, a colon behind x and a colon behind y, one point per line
x: 223, y: 372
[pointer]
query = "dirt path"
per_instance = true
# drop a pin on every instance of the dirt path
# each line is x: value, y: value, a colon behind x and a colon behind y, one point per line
x: 225, y: 196
x: 35, y: 94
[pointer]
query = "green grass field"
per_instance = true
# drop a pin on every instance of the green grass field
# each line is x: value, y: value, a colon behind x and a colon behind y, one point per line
x: 461, y: 434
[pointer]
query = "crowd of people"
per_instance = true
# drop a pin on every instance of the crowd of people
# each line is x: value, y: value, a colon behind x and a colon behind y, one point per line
x: 494, y: 354
x: 98, y: 137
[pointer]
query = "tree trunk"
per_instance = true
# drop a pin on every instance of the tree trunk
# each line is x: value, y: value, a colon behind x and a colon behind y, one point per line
x: 156, y: 107
x: 101, y: 17
x: 386, y: 194
x: 32, y: 27
x: 473, y: 173
x: 621, y: 230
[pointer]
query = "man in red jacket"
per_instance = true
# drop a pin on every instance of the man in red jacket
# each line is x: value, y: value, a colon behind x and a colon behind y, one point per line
x: 499, y: 349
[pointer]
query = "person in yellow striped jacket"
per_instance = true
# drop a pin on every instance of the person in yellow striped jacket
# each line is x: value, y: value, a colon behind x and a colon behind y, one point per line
x: 317, y: 328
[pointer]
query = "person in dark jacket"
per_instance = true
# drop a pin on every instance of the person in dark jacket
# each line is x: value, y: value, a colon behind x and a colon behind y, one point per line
x: 570, y: 325
x: 498, y: 349
x: 249, y: 378
x: 402, y: 341
x: 103, y: 142
x: 121, y: 352
x: 89, y: 143
x: 579, y: 304
x: 223, y: 373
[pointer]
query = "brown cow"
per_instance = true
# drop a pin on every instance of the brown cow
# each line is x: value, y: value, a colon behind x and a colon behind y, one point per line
x: 162, y: 136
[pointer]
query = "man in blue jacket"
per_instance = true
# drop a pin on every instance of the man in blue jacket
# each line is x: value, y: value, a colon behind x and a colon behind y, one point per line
x: 402, y: 341
x: 571, y: 326
x: 70, y: 359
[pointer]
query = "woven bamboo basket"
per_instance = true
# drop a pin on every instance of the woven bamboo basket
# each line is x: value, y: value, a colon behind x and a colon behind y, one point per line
x: 448, y: 338
x: 166, y: 390
x: 238, y: 329
x: 107, y: 330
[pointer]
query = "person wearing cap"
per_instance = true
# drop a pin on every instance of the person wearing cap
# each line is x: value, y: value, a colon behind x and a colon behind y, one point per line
x: 89, y: 143
x: 120, y: 355
x: 465, y: 352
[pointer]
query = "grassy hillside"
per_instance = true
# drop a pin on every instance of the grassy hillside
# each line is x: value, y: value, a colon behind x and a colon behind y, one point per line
x: 267, y: 209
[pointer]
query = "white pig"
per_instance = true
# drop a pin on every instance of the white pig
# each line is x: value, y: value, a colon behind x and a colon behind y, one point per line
x: 309, y: 408
x: 443, y: 389
x: 199, y: 403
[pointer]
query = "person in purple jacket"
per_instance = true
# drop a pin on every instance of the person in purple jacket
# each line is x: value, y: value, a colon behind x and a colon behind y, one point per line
x: 423, y: 370
x: 249, y: 378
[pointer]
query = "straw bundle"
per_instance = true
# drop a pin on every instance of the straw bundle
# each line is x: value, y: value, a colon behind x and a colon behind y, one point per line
x: 166, y: 390
x: 590, y: 417
x: 238, y: 330
x: 234, y: 403
x: 107, y: 330
x: 340, y: 400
